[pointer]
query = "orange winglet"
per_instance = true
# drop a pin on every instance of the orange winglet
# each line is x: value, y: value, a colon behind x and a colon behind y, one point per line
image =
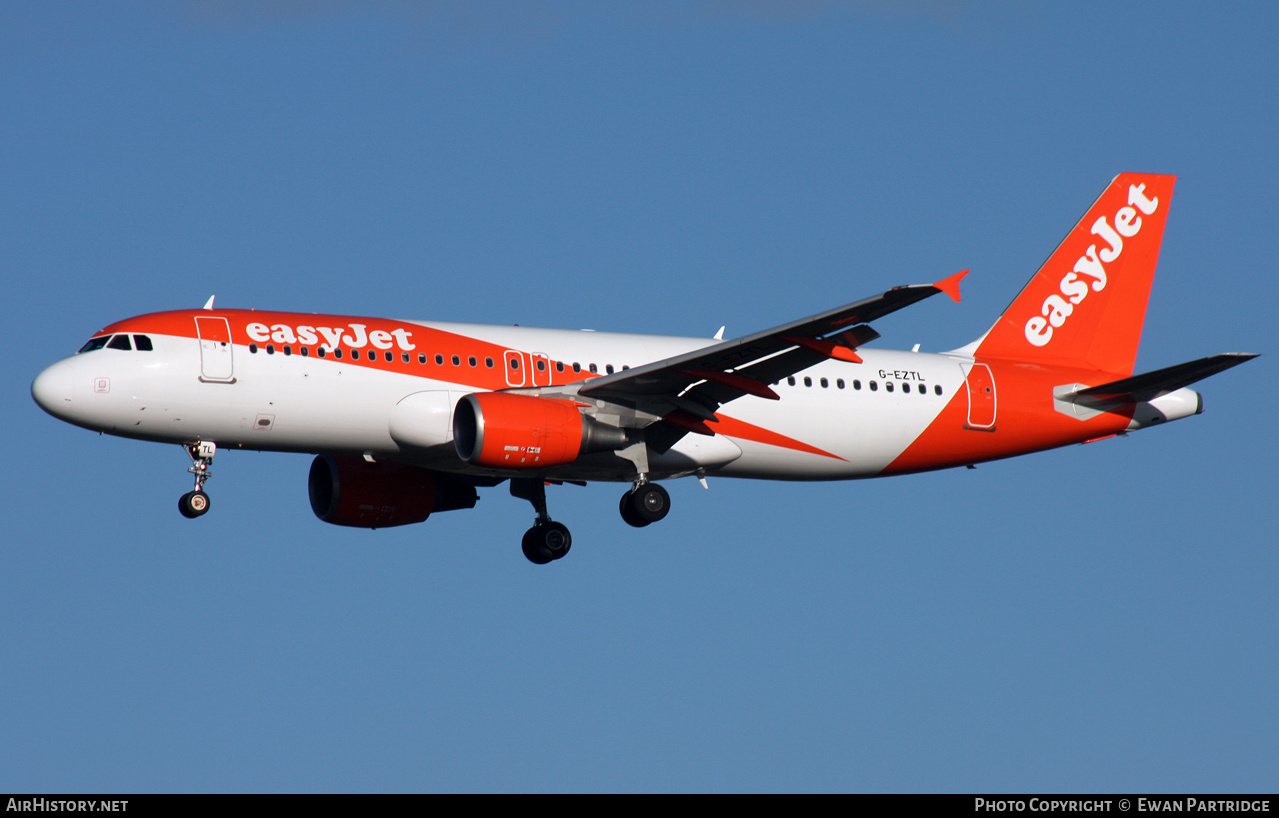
x: 950, y: 285
x: 823, y: 347
x: 739, y: 382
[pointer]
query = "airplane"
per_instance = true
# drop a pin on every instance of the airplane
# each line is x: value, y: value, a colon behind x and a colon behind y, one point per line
x: 409, y: 418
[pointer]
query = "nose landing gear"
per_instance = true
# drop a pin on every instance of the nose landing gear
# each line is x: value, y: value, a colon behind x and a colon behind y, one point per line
x: 195, y: 503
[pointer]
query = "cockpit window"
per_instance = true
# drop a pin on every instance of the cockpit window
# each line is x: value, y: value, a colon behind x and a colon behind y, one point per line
x: 95, y: 343
x: 120, y: 342
x: 142, y: 343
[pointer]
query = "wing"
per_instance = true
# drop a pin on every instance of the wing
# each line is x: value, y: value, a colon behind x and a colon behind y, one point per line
x: 686, y: 390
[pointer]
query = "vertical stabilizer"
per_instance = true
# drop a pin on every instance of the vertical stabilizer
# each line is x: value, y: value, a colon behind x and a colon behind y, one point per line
x: 1086, y: 305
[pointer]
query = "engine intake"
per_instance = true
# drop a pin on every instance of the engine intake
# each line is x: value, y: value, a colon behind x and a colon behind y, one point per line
x: 349, y: 490
x: 505, y: 431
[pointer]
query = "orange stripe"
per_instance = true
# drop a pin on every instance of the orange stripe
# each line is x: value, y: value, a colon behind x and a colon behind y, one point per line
x: 424, y: 339
x: 732, y: 427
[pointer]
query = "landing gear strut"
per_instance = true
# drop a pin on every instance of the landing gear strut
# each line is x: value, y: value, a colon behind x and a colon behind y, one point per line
x: 546, y: 540
x: 645, y: 503
x: 195, y: 503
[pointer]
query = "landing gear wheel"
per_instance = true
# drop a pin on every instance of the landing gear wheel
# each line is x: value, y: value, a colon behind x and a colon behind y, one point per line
x: 545, y: 542
x: 628, y: 514
x: 532, y: 552
x: 646, y: 504
x: 193, y: 504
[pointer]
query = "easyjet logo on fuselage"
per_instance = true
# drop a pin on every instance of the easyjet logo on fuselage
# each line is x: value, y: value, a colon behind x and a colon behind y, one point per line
x: 352, y: 335
x: 1091, y: 265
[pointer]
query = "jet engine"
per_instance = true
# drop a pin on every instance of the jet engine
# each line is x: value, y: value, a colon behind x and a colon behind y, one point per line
x: 505, y: 431
x: 349, y: 490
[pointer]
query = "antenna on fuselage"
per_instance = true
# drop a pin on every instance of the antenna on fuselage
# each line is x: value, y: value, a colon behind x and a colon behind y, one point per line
x: 208, y: 305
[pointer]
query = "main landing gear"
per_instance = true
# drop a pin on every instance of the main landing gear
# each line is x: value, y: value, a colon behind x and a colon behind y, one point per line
x: 546, y: 540
x: 645, y: 503
x: 195, y: 503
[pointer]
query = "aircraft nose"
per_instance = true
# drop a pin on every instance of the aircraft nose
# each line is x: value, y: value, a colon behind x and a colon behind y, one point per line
x: 52, y: 389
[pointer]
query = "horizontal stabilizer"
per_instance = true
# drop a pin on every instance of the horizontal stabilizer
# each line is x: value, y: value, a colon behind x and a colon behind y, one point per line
x: 1151, y: 385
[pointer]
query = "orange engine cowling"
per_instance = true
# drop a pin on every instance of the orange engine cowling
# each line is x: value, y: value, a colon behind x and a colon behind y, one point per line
x: 349, y: 490
x: 505, y: 431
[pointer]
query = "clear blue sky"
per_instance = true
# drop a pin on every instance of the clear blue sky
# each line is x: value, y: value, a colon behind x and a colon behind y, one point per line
x: 1096, y: 618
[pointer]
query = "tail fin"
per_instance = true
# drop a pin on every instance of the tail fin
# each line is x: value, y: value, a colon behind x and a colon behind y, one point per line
x: 1086, y: 305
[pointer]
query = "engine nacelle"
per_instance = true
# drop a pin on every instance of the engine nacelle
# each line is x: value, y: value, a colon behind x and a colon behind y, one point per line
x: 504, y: 431
x: 349, y: 490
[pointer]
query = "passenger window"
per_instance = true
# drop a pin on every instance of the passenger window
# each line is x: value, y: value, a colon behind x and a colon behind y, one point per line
x: 874, y: 387
x: 889, y: 386
x: 937, y: 389
x: 253, y: 349
x: 488, y: 362
x: 515, y: 363
x: 142, y: 343
x: 120, y: 342
x: 857, y: 385
x: 559, y: 366
x: 288, y: 350
x: 270, y: 349
x: 421, y: 357
x: 321, y: 351
x: 457, y: 361
x: 404, y: 357
x: 808, y: 381
x: 609, y: 369
x: 541, y: 365
x: 305, y: 352
x: 594, y: 371
x: 439, y: 359
x: 839, y: 383
x: 337, y: 353
x: 471, y: 360
x: 577, y: 367
x: 825, y: 383
x: 791, y: 380
x: 905, y: 387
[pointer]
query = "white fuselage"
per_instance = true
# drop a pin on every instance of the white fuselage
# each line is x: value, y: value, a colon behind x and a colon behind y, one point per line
x: 837, y: 420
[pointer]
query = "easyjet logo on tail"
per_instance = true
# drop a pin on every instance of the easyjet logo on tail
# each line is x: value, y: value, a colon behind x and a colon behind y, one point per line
x: 1090, y: 269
